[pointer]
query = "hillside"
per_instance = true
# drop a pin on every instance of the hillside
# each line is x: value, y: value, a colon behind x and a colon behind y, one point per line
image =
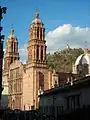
x: 63, y: 60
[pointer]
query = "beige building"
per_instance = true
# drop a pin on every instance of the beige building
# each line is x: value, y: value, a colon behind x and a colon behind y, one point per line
x: 25, y: 81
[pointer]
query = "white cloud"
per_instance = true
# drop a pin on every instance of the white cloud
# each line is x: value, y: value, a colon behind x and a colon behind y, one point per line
x: 59, y: 37
x: 23, y: 53
x: 74, y: 36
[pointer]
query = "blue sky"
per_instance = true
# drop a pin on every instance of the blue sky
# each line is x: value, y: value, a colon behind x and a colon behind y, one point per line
x: 54, y: 13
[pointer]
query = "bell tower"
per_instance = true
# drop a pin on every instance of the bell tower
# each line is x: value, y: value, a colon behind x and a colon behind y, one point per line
x: 37, y: 43
x: 36, y: 68
x: 11, y: 53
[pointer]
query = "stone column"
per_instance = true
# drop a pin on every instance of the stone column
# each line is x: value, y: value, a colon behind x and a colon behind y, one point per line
x: 42, y: 34
x: 43, y: 53
x: 40, y: 53
x: 35, y: 33
x: 35, y: 50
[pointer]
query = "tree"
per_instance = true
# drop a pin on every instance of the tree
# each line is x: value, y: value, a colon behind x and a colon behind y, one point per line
x: 63, y: 60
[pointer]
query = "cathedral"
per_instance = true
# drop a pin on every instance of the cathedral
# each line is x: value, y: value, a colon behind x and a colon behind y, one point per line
x: 25, y: 81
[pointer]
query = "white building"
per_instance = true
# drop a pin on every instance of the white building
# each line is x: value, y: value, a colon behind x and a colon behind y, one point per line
x: 66, y: 98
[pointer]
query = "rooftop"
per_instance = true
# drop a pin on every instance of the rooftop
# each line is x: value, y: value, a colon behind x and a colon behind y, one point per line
x: 85, y: 81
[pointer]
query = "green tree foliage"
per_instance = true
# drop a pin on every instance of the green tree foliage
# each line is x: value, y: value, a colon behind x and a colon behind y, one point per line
x: 63, y: 60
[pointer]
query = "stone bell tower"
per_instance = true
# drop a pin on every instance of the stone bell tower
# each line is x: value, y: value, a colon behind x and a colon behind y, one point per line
x: 36, y: 63
x: 37, y: 43
x: 11, y: 53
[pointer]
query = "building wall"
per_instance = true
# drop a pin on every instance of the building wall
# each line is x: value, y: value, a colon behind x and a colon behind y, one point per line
x: 15, y: 85
x: 28, y: 89
x: 4, y: 99
x: 60, y: 101
x: 31, y: 86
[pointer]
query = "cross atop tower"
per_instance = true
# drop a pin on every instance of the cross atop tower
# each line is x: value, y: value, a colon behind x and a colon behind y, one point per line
x: 36, y: 15
x: 12, y: 31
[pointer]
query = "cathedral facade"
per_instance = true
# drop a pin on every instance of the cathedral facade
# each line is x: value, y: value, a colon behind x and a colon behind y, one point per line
x: 25, y: 81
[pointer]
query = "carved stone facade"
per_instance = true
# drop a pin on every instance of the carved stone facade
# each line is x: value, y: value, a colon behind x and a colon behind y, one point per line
x: 36, y: 75
x: 15, y: 85
x: 11, y: 53
x: 25, y: 81
x: 10, y: 56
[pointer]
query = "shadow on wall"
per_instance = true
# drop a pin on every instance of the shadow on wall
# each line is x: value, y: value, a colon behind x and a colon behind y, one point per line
x: 4, y: 101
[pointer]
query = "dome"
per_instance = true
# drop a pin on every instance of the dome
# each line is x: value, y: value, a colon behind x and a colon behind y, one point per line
x: 36, y: 20
x: 83, y: 58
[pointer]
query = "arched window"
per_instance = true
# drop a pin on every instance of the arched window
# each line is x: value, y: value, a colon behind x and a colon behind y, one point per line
x: 41, y: 33
x: 41, y: 80
x: 14, y: 47
x: 41, y: 53
x: 37, y: 32
x: 11, y: 59
x: 37, y: 52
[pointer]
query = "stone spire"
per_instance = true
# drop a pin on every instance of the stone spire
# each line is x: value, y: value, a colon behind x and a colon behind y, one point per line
x: 11, y: 53
x: 37, y: 43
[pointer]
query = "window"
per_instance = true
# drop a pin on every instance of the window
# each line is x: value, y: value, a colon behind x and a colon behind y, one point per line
x: 11, y: 59
x: 37, y: 32
x: 37, y: 52
x: 73, y: 102
x: 41, y: 80
x: 41, y: 33
x: 24, y: 107
x: 41, y: 53
x: 14, y: 47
